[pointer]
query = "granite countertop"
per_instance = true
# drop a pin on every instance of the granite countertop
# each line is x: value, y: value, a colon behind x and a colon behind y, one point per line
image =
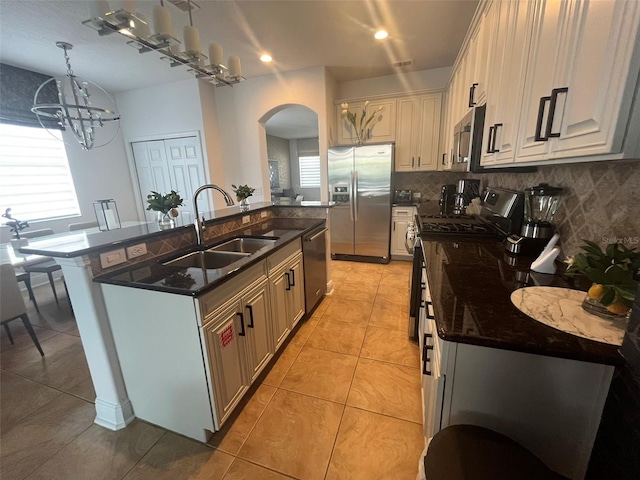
x: 193, y: 281
x: 471, y: 282
x: 75, y: 244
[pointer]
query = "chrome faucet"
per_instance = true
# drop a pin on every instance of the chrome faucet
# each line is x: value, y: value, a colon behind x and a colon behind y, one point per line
x: 199, y: 223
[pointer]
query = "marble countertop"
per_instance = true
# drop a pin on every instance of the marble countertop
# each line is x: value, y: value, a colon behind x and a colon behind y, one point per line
x: 471, y: 283
x: 193, y: 281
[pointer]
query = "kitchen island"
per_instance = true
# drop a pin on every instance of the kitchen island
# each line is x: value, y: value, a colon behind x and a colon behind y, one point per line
x: 486, y: 363
x: 85, y: 256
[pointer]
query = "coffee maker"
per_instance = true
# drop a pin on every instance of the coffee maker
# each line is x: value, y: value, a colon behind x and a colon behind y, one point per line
x: 447, y: 198
x: 540, y: 205
x: 467, y: 190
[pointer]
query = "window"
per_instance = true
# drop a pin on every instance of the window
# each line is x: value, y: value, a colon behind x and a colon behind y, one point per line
x: 35, y: 180
x: 309, y: 171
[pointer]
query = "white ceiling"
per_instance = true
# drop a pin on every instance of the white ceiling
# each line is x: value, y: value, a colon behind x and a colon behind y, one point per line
x: 298, y: 34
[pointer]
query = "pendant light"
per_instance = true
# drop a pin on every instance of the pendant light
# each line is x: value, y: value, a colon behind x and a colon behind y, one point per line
x: 75, y: 109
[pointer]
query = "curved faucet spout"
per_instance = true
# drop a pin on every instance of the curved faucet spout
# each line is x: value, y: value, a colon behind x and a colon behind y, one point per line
x: 199, y: 223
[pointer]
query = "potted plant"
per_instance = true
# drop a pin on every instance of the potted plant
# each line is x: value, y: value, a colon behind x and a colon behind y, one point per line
x: 242, y: 193
x: 615, y: 274
x: 166, y: 206
x: 362, y: 124
x: 16, y: 226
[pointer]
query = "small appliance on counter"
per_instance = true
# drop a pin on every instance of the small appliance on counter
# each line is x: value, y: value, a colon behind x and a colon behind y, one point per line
x: 467, y: 189
x: 403, y: 197
x: 447, y: 198
x: 540, y: 205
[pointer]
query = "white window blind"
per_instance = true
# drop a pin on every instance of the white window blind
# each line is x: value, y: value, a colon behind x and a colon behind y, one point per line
x: 309, y: 171
x: 35, y: 180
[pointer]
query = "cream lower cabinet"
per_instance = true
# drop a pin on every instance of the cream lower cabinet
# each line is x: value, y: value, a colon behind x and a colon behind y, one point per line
x: 400, y: 218
x: 286, y: 288
x: 239, y: 346
x: 552, y: 406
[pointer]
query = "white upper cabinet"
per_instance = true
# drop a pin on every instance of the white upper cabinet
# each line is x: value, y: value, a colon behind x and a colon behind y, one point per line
x: 581, y: 76
x: 558, y: 77
x: 418, y: 133
x: 508, y: 22
x: 383, y: 130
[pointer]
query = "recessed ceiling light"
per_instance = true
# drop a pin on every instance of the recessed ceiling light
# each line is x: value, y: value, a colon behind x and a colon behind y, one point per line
x: 266, y: 58
x: 381, y: 34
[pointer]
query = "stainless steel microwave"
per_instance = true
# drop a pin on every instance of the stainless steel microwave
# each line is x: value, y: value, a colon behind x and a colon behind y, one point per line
x: 467, y: 141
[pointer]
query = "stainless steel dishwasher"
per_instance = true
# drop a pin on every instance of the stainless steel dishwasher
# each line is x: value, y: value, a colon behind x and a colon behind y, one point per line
x: 315, y: 266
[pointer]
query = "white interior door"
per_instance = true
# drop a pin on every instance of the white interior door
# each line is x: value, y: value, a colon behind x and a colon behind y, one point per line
x: 171, y: 164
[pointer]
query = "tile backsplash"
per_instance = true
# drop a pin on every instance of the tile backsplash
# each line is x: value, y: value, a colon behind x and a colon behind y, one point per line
x: 601, y: 200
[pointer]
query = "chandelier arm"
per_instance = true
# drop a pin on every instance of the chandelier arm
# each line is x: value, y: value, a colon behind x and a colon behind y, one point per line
x: 79, y: 125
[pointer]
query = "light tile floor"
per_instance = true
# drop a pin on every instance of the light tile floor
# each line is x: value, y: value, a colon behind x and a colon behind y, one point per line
x: 341, y: 402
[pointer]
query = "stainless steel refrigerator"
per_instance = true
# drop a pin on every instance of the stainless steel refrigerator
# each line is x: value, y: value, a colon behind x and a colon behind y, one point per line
x: 360, y: 183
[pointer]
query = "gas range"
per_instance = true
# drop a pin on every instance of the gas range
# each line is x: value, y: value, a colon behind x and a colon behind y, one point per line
x: 454, y: 224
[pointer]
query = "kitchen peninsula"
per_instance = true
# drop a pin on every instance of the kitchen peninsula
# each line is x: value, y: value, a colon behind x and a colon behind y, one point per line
x: 84, y: 257
x: 486, y: 363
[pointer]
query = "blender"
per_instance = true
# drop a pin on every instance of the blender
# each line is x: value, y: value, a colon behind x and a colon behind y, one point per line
x: 540, y: 205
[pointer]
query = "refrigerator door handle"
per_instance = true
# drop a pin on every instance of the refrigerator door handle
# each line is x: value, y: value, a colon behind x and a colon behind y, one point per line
x: 351, y: 196
x: 355, y: 195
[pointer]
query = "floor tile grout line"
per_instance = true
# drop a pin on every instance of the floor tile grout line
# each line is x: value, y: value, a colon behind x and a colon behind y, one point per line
x: 146, y: 453
x: 52, y: 387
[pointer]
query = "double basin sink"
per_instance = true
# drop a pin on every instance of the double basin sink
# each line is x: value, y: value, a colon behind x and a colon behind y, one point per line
x: 222, y: 255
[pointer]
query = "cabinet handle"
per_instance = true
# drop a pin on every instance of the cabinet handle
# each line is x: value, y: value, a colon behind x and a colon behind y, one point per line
x: 472, y: 94
x: 250, y: 308
x: 394, y: 226
x: 418, y: 160
x: 495, y: 136
x: 543, y: 102
x: 552, y: 111
x: 425, y: 354
x: 293, y: 277
x: 288, y: 280
x: 242, y: 332
x: 413, y: 161
x: 489, y: 139
x: 429, y: 316
x: 444, y: 161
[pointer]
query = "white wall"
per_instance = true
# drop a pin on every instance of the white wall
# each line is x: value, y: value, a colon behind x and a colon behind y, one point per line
x: 425, y: 80
x: 243, y: 139
x: 182, y: 107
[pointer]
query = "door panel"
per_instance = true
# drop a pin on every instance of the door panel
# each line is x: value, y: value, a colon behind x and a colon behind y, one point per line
x: 373, y: 200
x: 257, y: 319
x: 340, y: 171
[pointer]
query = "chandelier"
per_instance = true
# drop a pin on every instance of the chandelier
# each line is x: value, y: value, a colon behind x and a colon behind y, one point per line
x: 135, y: 27
x: 74, y: 109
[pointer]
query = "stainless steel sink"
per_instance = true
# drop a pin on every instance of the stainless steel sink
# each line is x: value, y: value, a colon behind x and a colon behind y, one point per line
x: 206, y: 259
x: 245, y: 245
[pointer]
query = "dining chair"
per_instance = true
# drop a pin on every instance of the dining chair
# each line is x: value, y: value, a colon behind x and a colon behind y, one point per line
x: 82, y: 225
x: 48, y: 266
x: 26, y: 278
x: 12, y: 306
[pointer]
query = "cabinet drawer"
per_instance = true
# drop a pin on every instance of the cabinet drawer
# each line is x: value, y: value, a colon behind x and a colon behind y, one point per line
x: 407, y: 212
x: 281, y: 255
x: 212, y: 300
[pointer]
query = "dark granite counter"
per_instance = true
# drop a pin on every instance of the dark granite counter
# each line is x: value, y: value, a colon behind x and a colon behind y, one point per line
x: 193, y: 281
x: 75, y: 244
x: 471, y: 282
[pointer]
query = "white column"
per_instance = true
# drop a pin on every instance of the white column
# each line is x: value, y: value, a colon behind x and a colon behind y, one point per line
x: 113, y: 409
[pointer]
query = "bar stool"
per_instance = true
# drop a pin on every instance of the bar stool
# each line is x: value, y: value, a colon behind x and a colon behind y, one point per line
x: 469, y: 452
